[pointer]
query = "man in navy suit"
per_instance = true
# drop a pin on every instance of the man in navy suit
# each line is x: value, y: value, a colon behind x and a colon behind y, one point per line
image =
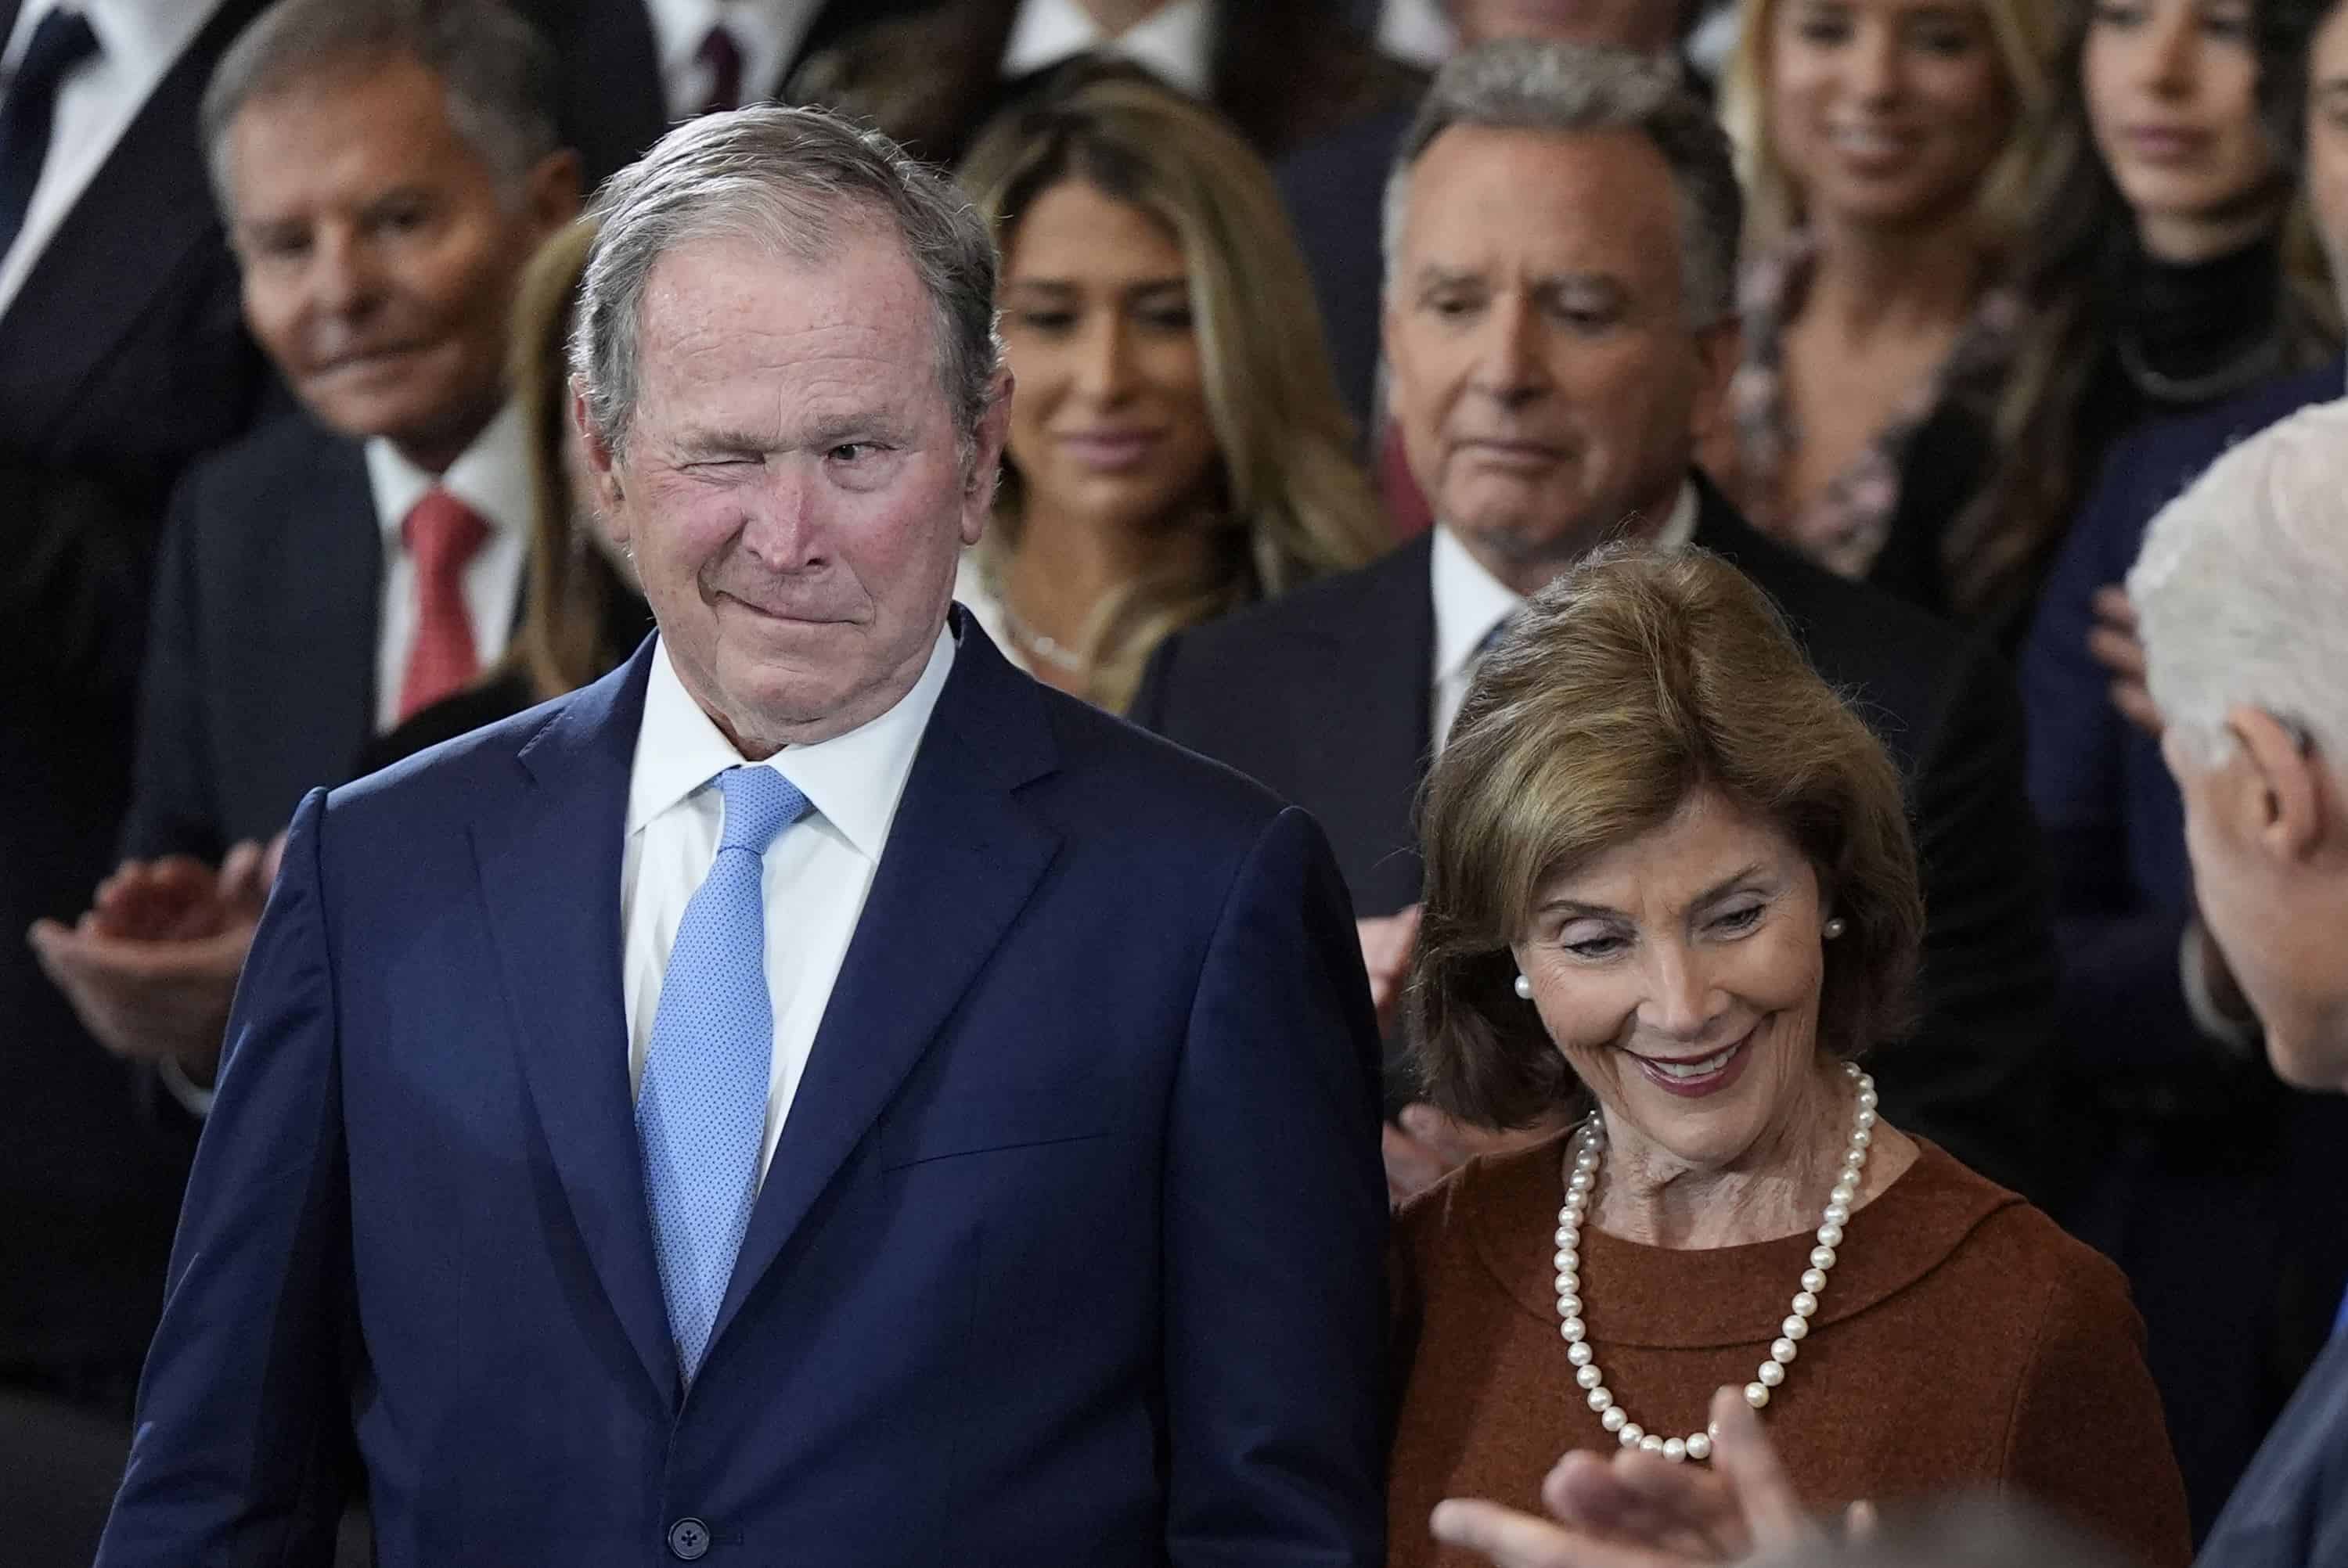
x: 814, y: 1095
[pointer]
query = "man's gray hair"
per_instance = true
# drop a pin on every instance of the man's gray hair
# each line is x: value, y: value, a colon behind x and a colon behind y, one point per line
x: 2241, y: 591
x: 786, y: 179
x: 1521, y: 85
x: 497, y: 71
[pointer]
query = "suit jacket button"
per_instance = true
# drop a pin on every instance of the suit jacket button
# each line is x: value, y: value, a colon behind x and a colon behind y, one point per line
x: 688, y: 1539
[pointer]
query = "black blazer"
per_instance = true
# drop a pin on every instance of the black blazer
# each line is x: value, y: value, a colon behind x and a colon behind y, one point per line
x: 1322, y: 696
x: 122, y: 357
x: 607, y: 59
x: 261, y: 682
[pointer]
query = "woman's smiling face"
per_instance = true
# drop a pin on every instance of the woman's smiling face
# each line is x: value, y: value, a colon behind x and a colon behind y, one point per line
x: 1679, y: 975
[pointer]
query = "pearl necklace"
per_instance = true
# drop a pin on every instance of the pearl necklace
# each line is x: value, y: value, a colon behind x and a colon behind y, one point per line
x: 1793, y: 1331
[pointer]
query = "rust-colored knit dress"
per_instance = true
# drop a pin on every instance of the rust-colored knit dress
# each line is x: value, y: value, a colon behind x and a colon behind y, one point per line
x: 1964, y: 1340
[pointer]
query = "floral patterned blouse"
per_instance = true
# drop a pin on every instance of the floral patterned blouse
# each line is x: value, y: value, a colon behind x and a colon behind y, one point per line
x: 1845, y: 527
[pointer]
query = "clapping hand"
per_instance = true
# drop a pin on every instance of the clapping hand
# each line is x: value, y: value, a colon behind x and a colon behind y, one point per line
x: 1639, y: 1510
x: 2113, y: 645
x: 150, y: 968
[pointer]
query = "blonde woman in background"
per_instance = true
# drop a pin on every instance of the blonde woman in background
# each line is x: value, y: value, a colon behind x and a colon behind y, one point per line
x: 1177, y: 446
x: 1889, y: 148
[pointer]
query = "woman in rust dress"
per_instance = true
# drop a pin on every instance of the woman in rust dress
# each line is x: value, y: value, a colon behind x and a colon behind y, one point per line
x: 1671, y: 892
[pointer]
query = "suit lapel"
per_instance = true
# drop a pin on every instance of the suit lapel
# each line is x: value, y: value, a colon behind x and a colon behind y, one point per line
x: 1370, y: 687
x: 550, y: 870
x: 125, y: 241
x: 962, y: 858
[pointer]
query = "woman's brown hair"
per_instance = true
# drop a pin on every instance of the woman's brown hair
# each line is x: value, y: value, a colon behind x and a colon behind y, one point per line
x: 564, y: 639
x: 1622, y: 689
x: 2079, y: 256
x: 1294, y: 503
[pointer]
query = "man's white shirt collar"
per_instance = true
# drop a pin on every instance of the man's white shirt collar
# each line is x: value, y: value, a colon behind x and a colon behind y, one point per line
x: 142, y: 37
x: 853, y: 781
x: 491, y: 477
x: 1175, y: 41
x: 1470, y: 602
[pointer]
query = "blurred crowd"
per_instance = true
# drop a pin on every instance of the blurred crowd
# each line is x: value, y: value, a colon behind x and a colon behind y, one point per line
x: 1341, y: 331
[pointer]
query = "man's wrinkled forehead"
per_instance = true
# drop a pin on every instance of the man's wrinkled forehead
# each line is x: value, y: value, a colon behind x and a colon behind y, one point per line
x: 1597, y: 200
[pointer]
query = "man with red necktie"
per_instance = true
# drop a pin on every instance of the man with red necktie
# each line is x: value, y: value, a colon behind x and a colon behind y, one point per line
x: 387, y: 172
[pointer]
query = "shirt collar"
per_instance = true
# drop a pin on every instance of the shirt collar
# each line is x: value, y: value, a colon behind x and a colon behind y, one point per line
x: 491, y: 477
x: 141, y: 35
x: 680, y: 25
x: 1175, y: 41
x: 1470, y: 602
x: 853, y: 781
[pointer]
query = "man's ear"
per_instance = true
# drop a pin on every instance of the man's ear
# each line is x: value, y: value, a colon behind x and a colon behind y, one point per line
x: 557, y: 184
x: 2284, y: 800
x: 602, y: 465
x: 986, y: 458
x: 1719, y: 349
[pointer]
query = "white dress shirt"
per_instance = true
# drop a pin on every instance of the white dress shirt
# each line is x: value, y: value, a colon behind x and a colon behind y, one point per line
x: 138, y: 42
x: 1471, y: 603
x: 492, y: 476
x: 817, y: 870
x: 1177, y: 41
x: 768, y: 32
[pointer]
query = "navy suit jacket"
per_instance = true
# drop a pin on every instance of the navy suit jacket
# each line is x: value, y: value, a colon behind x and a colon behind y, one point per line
x: 1070, y: 1252
x: 2292, y: 1509
x: 1324, y: 694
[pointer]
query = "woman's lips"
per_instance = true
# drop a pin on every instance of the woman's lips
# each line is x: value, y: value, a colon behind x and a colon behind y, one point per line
x: 1109, y: 451
x: 2165, y: 144
x: 1692, y: 1078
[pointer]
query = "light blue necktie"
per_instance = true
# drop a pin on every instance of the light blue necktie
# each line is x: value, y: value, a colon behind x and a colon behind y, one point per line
x: 701, y: 1113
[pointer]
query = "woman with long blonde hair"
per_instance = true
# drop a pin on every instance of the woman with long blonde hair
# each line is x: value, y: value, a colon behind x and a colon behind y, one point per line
x: 1177, y: 447
x: 1889, y: 148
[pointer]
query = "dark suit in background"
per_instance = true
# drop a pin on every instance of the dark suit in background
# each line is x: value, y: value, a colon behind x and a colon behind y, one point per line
x: 612, y: 106
x: 122, y: 357
x: 1070, y: 1251
x: 1324, y: 695
x: 2208, y: 1151
x: 260, y: 686
x: 1334, y: 191
x: 1284, y: 72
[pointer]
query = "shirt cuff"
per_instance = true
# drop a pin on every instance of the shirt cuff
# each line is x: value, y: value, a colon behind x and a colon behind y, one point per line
x: 197, y: 1103
x: 2239, y: 1036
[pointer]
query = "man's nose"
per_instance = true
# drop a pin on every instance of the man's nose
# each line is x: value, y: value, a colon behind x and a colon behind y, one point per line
x: 345, y: 276
x: 1509, y: 363
x: 782, y: 527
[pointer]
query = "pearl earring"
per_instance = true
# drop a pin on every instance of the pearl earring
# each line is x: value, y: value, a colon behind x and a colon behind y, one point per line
x: 1525, y: 986
x: 1836, y: 928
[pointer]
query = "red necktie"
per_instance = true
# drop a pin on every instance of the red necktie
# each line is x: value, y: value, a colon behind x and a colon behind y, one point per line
x: 443, y: 534
x: 721, y: 56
